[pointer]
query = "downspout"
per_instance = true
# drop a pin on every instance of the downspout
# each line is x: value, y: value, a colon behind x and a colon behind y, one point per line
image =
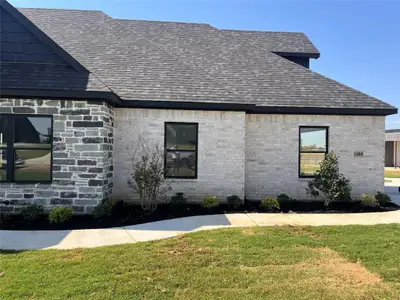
x: 395, y: 154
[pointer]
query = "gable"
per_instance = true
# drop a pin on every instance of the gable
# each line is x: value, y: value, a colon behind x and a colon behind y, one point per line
x: 29, y: 59
x: 18, y: 44
x: 23, y: 42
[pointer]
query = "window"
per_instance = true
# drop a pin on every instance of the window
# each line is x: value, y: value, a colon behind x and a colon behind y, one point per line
x: 26, y: 148
x: 181, y: 150
x: 312, y: 149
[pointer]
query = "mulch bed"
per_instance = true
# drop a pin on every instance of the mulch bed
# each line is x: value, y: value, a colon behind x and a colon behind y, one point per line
x: 124, y: 215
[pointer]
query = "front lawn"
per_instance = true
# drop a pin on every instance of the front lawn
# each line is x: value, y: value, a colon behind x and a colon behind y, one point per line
x: 350, y: 262
x: 393, y: 173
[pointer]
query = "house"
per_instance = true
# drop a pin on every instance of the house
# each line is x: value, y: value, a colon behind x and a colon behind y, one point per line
x: 237, y: 112
x: 392, y: 148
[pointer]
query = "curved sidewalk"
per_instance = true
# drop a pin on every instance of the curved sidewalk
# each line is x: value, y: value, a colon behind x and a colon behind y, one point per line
x: 87, y: 238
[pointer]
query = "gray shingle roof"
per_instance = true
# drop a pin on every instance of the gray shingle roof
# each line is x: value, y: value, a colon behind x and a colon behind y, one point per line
x: 295, y: 43
x: 146, y: 60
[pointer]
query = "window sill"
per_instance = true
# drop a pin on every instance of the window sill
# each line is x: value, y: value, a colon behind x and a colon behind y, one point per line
x: 181, y: 178
x: 305, y: 178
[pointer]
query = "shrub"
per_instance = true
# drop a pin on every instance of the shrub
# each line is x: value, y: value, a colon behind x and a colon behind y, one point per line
x: 120, y: 208
x: 285, y: 202
x: 210, y: 202
x: 369, y: 201
x: 178, y: 200
x: 60, y: 215
x: 32, y: 212
x: 270, y: 203
x: 328, y: 181
x: 147, y: 179
x: 283, y: 198
x: 234, y: 201
x: 103, y: 211
x: 382, y: 198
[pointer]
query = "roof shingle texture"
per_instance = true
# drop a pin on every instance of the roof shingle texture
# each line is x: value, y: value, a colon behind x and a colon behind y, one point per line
x: 148, y: 60
x: 277, y: 42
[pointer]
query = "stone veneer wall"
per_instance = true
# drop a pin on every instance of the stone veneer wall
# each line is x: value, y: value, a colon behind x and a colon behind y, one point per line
x: 82, y: 155
x: 272, y: 145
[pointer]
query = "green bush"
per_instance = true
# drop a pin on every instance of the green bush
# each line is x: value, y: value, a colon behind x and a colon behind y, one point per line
x: 32, y: 212
x: 210, y: 202
x: 60, y: 215
x: 234, y: 201
x: 178, y: 200
x: 369, y: 201
x: 270, y: 203
x: 283, y: 198
x: 103, y: 211
x: 328, y: 181
x: 382, y: 198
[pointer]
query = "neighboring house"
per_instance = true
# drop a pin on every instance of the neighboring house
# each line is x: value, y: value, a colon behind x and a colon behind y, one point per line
x: 392, y: 148
x: 238, y: 112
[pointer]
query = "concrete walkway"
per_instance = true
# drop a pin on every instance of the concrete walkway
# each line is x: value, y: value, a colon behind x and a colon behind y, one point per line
x: 70, y: 239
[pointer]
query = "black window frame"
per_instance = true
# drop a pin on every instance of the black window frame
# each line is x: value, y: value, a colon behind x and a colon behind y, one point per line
x: 166, y: 150
x: 300, y: 152
x: 10, y: 149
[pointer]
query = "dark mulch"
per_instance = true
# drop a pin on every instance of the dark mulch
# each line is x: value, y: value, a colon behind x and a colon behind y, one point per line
x: 124, y: 215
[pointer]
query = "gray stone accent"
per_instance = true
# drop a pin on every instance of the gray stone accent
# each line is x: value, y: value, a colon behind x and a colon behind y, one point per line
x: 82, y: 156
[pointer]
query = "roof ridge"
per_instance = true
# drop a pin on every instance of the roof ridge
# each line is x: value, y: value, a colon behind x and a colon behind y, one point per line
x: 159, y: 21
x: 264, y: 31
x: 61, y: 9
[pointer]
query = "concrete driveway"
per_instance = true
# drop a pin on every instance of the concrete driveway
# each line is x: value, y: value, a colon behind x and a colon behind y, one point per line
x: 392, y: 189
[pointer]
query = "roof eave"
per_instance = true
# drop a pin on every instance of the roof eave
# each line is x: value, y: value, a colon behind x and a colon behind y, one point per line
x: 315, y: 55
x: 108, y: 97
x: 114, y: 100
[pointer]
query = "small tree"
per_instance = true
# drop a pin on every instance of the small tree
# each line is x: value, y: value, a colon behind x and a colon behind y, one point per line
x: 328, y: 181
x: 147, y: 178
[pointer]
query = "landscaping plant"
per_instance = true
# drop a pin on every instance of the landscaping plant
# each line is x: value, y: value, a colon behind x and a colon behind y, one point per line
x: 147, y: 179
x: 382, y: 198
x: 329, y: 182
x: 369, y: 201
x: 32, y: 212
x: 60, y: 215
x: 234, y: 201
x: 103, y: 211
x: 285, y: 202
x: 210, y: 202
x: 270, y: 203
x: 178, y: 200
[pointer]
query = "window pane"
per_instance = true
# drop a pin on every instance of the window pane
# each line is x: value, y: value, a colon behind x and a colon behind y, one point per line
x: 32, y: 165
x: 3, y: 131
x: 3, y: 165
x: 309, y: 162
x: 312, y: 139
x: 31, y: 132
x: 181, y: 164
x: 181, y: 136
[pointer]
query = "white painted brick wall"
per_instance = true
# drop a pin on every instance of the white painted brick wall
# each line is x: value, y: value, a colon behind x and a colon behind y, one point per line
x: 220, y: 155
x: 272, y: 144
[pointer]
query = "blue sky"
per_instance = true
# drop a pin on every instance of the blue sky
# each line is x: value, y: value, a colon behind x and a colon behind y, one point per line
x: 359, y: 40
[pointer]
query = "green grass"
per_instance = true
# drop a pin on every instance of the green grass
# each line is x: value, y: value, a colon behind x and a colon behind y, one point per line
x: 29, y: 154
x: 350, y: 262
x: 392, y: 174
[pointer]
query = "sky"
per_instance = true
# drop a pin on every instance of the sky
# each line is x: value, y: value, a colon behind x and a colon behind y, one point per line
x: 359, y: 40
